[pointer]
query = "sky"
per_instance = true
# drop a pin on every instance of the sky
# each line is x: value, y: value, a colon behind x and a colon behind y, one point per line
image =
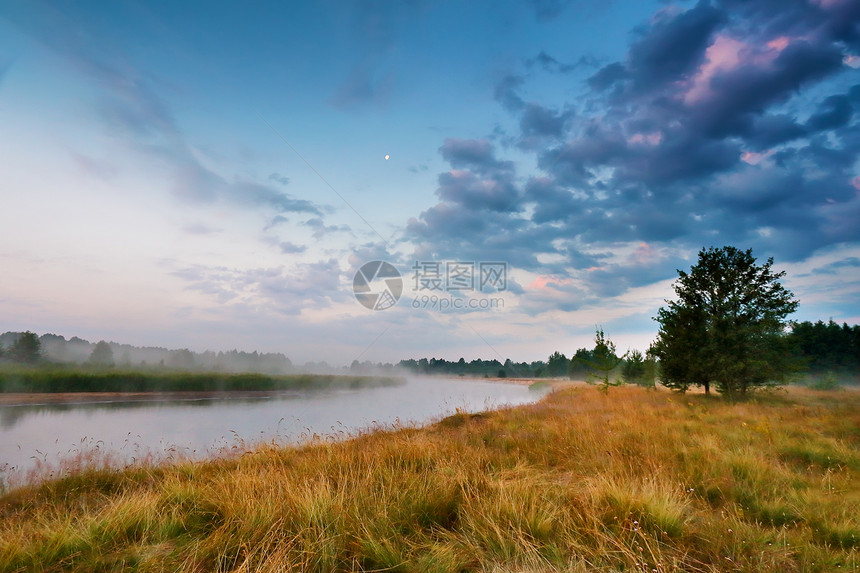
x: 217, y: 175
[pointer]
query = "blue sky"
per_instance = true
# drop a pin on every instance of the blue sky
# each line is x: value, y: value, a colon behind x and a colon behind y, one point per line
x: 213, y: 175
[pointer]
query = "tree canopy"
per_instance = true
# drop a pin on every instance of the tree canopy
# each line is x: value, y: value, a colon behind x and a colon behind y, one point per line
x: 727, y: 326
x: 27, y: 348
x: 102, y: 354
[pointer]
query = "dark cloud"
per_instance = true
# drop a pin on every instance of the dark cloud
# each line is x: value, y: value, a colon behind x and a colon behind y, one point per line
x: 672, y: 47
x: 538, y: 121
x: 473, y: 192
x: 834, y: 112
x: 475, y: 154
x: 608, y: 76
x: 506, y: 92
x: 738, y: 96
x: 771, y: 130
x: 704, y: 134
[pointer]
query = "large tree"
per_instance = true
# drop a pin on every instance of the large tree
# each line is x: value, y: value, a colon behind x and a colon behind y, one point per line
x: 727, y: 327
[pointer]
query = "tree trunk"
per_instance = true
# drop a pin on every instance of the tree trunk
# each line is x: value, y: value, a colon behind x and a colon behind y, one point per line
x: 707, y: 388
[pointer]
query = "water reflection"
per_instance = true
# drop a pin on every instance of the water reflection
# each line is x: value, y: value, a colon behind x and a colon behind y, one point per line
x: 49, y: 433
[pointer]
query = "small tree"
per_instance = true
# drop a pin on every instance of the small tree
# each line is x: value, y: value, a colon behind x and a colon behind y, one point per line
x: 27, y: 348
x: 727, y: 327
x: 633, y: 369
x: 603, y: 362
x: 102, y: 354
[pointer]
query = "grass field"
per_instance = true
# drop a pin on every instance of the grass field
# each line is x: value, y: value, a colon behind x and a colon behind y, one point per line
x: 635, y: 480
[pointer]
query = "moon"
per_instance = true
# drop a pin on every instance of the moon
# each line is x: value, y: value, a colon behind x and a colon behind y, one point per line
x: 387, y: 156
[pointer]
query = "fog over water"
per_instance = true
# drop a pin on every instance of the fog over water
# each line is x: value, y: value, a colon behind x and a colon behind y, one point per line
x: 48, y: 434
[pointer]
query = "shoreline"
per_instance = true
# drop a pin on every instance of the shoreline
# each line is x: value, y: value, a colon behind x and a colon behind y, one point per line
x: 52, y: 398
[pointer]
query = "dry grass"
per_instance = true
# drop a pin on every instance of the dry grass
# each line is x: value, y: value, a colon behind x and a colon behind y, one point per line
x: 632, y: 481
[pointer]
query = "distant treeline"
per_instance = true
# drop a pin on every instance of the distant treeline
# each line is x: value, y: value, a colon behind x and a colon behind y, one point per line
x: 820, y: 349
x: 827, y: 347
x: 55, y: 348
x: 480, y: 368
x: 55, y: 380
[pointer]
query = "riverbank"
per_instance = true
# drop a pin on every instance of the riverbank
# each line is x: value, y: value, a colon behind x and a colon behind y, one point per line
x: 45, y: 398
x: 632, y: 480
x: 68, y: 380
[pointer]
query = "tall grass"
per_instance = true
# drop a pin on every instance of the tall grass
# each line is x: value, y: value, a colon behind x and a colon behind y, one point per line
x: 629, y: 481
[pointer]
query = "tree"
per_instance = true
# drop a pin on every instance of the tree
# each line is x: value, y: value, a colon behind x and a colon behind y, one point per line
x: 579, y: 363
x: 558, y: 364
x: 727, y: 327
x: 603, y: 362
x: 27, y: 348
x: 102, y: 354
x: 633, y: 369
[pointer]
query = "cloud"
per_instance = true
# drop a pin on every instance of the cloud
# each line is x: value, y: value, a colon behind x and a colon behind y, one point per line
x: 672, y: 46
x: 320, y: 229
x: 834, y: 112
x: 289, y: 248
x: 284, y: 290
x: 725, y: 123
x: 278, y: 178
x: 140, y: 119
x: 506, y: 92
x: 539, y: 121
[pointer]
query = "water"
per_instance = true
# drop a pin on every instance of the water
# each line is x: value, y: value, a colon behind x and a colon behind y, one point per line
x: 43, y: 436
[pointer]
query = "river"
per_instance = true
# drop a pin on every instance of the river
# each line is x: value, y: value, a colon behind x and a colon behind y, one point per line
x: 45, y: 438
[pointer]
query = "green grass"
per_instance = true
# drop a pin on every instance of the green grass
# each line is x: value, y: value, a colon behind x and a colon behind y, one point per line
x: 54, y: 379
x: 634, y: 480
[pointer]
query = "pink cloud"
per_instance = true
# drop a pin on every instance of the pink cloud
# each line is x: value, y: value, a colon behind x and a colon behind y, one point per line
x: 644, y: 253
x: 754, y: 158
x: 727, y: 54
x: 723, y: 55
x: 541, y: 282
x: 653, y: 138
x: 856, y: 183
x: 779, y: 44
